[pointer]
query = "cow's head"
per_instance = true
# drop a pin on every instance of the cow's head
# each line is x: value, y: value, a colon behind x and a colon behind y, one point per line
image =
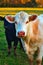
x: 22, y: 21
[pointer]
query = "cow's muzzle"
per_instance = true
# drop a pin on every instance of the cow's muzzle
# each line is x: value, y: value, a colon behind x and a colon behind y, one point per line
x: 21, y: 34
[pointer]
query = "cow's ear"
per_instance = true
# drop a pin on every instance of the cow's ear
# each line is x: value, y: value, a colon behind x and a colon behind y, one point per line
x: 10, y: 18
x: 32, y: 18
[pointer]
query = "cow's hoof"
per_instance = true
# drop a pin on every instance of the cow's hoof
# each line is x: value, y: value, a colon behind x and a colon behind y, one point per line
x: 22, y: 49
x: 8, y: 54
x: 15, y: 54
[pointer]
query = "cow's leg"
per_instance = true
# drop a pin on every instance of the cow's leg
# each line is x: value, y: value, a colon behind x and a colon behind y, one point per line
x: 9, y: 47
x: 31, y: 60
x: 20, y: 43
x: 29, y: 53
x: 8, y: 39
x: 40, y: 54
x: 30, y: 56
x: 21, y: 46
x: 39, y: 62
x: 15, y: 45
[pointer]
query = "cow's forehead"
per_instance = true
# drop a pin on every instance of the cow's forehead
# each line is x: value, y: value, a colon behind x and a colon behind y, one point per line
x: 21, y: 16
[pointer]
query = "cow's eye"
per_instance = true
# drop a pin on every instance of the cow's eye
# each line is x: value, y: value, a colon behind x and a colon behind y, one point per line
x: 15, y: 22
x: 26, y: 22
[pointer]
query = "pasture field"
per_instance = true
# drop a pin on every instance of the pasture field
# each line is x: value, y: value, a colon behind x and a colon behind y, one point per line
x: 21, y: 58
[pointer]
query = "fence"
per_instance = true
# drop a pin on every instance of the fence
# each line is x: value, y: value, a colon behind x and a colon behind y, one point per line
x: 13, y: 11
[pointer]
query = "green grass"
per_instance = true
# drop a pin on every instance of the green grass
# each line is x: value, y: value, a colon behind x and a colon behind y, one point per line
x: 21, y: 58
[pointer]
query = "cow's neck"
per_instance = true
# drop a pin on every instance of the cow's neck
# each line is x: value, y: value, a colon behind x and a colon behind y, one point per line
x: 34, y: 31
x: 35, y: 27
x: 25, y: 39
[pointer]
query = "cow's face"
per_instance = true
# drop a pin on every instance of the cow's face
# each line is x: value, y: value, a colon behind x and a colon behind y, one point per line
x: 21, y: 23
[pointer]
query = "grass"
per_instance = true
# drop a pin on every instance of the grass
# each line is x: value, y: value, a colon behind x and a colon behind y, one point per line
x: 21, y: 58
x: 12, y: 60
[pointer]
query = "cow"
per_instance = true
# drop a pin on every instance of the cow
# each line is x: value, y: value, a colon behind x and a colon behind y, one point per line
x: 30, y: 29
x: 10, y: 34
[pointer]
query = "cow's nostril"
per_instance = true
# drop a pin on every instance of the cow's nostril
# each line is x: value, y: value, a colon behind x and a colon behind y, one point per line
x: 21, y: 33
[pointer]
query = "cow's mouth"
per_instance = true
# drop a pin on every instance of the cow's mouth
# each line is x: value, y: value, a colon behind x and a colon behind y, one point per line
x: 21, y: 34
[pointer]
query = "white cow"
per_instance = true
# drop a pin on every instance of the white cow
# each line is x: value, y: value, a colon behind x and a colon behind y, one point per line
x: 30, y: 29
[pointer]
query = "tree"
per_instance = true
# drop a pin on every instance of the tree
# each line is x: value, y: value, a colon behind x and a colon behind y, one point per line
x: 33, y: 3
